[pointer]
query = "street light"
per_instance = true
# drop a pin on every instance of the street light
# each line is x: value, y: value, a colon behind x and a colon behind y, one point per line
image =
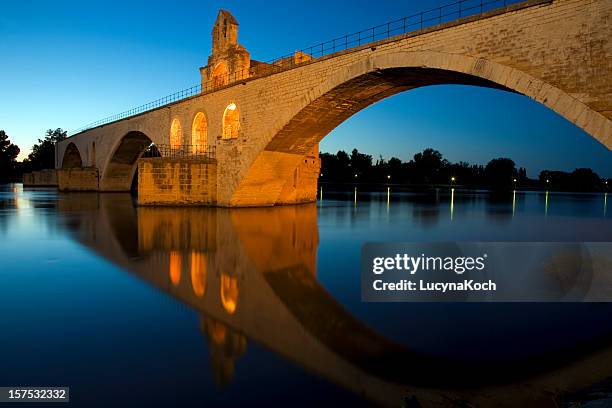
x: 389, y: 178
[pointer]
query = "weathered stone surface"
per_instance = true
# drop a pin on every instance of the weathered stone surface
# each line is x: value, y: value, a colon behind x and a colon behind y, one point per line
x: 164, y: 181
x: 555, y: 52
x: 42, y: 178
x: 78, y: 179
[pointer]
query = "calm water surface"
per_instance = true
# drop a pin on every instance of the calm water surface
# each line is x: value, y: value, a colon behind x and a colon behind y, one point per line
x: 205, y: 307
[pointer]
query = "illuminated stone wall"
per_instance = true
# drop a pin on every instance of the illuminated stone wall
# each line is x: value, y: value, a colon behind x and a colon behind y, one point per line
x: 78, y: 179
x: 40, y: 178
x: 166, y: 181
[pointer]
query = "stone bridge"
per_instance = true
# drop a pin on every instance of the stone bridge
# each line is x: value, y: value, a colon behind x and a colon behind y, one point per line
x: 261, y: 124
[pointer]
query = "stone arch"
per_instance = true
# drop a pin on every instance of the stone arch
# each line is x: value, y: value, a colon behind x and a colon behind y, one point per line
x: 199, y: 132
x: 121, y: 166
x: 220, y: 75
x: 72, y: 157
x: 349, y: 89
x: 176, y: 134
x: 231, y: 122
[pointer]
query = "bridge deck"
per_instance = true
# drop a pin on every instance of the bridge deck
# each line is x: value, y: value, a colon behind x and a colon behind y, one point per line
x: 427, y: 21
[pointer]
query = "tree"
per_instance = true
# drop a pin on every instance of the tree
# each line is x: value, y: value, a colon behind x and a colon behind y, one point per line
x: 500, y: 173
x: 427, y: 166
x: 584, y: 180
x: 8, y: 156
x: 43, y: 153
x: 361, y: 164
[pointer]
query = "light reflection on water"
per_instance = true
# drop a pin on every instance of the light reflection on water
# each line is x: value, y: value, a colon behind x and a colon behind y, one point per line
x: 266, y: 302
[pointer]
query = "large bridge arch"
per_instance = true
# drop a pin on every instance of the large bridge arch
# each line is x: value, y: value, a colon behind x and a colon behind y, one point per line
x: 352, y: 88
x: 121, y: 166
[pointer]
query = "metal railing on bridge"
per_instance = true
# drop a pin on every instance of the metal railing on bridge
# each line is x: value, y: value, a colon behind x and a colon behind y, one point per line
x: 447, y: 13
x: 186, y: 152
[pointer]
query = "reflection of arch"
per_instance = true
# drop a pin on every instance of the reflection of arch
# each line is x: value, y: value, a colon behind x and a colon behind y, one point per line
x: 199, y: 132
x: 229, y: 293
x: 355, y: 87
x: 176, y: 135
x: 220, y: 74
x: 119, y: 171
x: 176, y: 265
x: 72, y: 157
x: 231, y: 121
x: 297, y: 291
x: 198, y: 273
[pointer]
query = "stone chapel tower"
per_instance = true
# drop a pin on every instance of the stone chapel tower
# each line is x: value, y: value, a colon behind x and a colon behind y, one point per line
x: 229, y: 60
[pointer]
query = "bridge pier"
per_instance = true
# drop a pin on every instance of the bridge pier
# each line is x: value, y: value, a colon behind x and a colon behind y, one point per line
x: 41, y: 178
x: 176, y: 182
x: 279, y: 178
x: 78, y: 179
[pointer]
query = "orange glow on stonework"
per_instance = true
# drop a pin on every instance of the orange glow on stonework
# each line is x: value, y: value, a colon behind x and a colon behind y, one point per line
x: 229, y: 293
x: 175, y: 267
x: 231, y: 122
x: 199, y: 132
x: 176, y: 134
x: 198, y: 273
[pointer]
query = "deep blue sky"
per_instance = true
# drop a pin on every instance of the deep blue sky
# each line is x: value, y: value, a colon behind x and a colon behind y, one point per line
x: 68, y: 63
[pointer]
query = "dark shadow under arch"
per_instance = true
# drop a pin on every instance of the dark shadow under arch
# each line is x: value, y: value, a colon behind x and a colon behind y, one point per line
x: 121, y: 167
x: 328, y: 111
x: 72, y: 157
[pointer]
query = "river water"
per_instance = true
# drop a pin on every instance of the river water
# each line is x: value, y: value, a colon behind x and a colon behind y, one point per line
x: 149, y: 307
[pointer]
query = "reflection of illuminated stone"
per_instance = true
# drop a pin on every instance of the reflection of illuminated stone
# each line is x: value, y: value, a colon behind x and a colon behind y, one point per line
x: 198, y: 273
x: 175, y: 267
x: 277, y: 238
x: 273, y: 252
x: 229, y: 293
x: 226, y: 346
x: 166, y: 229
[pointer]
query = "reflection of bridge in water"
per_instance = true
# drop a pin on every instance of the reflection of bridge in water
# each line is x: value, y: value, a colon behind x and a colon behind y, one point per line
x: 251, y: 274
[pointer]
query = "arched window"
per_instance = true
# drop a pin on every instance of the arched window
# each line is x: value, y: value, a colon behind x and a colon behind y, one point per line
x: 229, y: 293
x: 231, y: 122
x: 220, y: 75
x: 199, y: 133
x: 176, y: 135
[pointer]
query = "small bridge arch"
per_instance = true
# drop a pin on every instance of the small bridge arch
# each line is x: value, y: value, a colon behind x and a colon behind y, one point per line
x: 72, y: 157
x: 121, y: 166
